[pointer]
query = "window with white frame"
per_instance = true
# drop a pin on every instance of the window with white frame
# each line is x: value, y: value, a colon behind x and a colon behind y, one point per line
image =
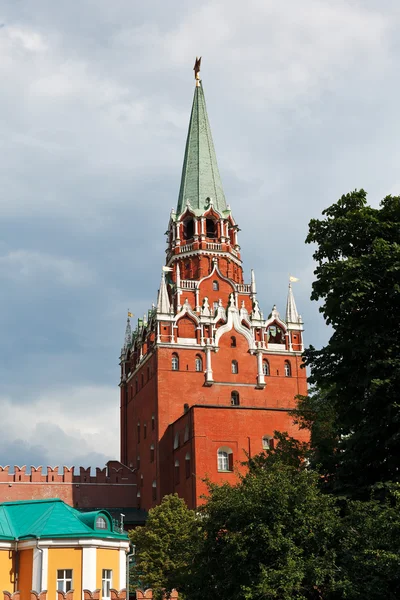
x: 288, y: 369
x: 268, y: 442
x: 175, y: 362
x: 101, y: 523
x: 235, y: 367
x: 198, y: 363
x: 106, y: 583
x: 225, y: 459
x: 64, y: 580
x: 235, y: 401
x: 265, y: 367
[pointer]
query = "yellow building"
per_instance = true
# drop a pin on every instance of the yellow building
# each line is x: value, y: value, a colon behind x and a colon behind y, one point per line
x: 48, y: 545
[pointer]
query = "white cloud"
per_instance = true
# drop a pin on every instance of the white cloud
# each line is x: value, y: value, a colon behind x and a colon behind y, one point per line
x: 29, y: 266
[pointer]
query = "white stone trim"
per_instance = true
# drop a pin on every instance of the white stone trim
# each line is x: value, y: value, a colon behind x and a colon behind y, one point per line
x: 68, y: 543
x: 122, y: 569
x: 235, y: 323
x: 89, y: 564
x: 45, y: 568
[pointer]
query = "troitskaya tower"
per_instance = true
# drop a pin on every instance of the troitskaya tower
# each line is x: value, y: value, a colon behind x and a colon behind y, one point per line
x: 206, y: 378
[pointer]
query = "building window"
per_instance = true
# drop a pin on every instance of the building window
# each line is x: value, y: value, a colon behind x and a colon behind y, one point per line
x: 153, y: 423
x: 268, y: 442
x: 106, y: 583
x: 233, y: 342
x: 210, y: 228
x: 101, y: 523
x: 186, y: 434
x: 138, y: 462
x: 144, y: 431
x: 138, y: 431
x: 235, y: 367
x: 288, y: 369
x: 175, y: 362
x: 64, y: 580
x: 177, y: 474
x: 225, y: 459
x: 265, y: 367
x: 188, y: 229
x: 152, y: 453
x: 199, y: 363
x: 235, y: 399
x: 176, y: 440
x: 215, y: 286
x: 154, y: 489
x: 187, y: 465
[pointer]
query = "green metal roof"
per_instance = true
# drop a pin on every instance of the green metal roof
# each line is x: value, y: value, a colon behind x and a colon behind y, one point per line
x: 200, y: 175
x: 51, y: 518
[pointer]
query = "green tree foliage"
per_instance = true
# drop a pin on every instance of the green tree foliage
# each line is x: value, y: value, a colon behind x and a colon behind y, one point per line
x: 358, y: 371
x: 165, y: 546
x: 270, y: 536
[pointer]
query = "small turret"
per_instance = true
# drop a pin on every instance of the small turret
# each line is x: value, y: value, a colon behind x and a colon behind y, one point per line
x: 163, y: 303
x: 128, y: 334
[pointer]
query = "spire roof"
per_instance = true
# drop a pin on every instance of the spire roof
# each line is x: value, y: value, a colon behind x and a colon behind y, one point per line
x: 163, y: 303
x: 200, y: 180
x: 292, y: 315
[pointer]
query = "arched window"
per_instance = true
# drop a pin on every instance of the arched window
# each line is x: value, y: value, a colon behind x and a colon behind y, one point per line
x: 186, y: 434
x: 138, y: 431
x: 101, y: 523
x: 268, y: 442
x: 154, y: 488
x: 187, y: 465
x: 138, y: 461
x: 141, y: 481
x: 177, y: 472
x: 176, y: 440
x: 153, y: 422
x: 152, y: 453
x: 188, y: 229
x: 175, y: 362
x: 210, y: 228
x: 233, y: 342
x: 288, y: 369
x: 235, y: 367
x: 199, y: 363
x: 225, y: 459
x: 215, y: 286
x: 235, y: 399
x: 144, y: 431
x: 138, y: 494
x: 265, y: 367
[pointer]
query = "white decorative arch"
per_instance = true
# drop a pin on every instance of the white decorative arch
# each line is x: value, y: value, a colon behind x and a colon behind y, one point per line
x: 187, y: 310
x: 275, y: 318
x: 234, y: 322
x: 210, y: 275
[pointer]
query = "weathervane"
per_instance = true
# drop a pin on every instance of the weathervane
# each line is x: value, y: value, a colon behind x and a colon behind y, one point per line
x: 196, y: 70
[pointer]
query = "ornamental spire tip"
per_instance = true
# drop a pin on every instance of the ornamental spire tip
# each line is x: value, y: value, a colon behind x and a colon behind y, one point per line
x: 196, y: 70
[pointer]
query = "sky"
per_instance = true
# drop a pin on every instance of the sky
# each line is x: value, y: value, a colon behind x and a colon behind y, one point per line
x: 303, y: 101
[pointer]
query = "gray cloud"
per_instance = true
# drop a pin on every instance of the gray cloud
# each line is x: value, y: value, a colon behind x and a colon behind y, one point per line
x: 302, y: 100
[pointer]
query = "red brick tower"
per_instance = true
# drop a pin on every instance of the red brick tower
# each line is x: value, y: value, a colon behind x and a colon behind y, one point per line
x: 205, y: 377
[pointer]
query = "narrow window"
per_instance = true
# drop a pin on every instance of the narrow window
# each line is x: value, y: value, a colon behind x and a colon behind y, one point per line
x: 288, y: 369
x: 265, y: 367
x: 177, y: 473
x: 235, y: 367
x: 187, y: 465
x: 235, y: 399
x: 138, y: 431
x: 142, y: 380
x: 233, y: 342
x: 186, y: 434
x: 188, y: 229
x: 215, y: 286
x: 154, y: 488
x: 144, y: 431
x: 101, y: 523
x: 225, y: 459
x: 138, y: 495
x: 268, y: 442
x: 199, y: 363
x: 210, y: 228
x: 106, y: 583
x: 138, y: 461
x: 153, y: 423
x: 64, y: 580
x: 141, y: 481
x: 175, y: 362
x: 152, y: 453
x: 176, y: 440
x: 148, y: 373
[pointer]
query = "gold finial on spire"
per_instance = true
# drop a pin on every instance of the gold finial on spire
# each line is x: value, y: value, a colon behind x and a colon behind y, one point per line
x: 196, y: 70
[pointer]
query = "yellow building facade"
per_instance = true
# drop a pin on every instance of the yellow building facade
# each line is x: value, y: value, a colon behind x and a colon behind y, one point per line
x: 47, y: 545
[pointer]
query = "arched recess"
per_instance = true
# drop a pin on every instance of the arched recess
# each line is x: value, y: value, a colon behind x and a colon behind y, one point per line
x: 186, y: 328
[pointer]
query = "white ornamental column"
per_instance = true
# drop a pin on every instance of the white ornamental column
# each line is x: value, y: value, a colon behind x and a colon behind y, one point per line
x: 260, y: 374
x: 209, y: 373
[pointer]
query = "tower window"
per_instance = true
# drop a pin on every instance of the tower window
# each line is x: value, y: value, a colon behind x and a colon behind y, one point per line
x: 154, y: 489
x: 199, y: 363
x: 144, y: 431
x: 225, y: 459
x: 138, y: 431
x: 188, y: 229
x: 233, y: 342
x: 187, y: 465
x: 186, y: 434
x: 177, y: 472
x: 265, y: 367
x: 210, y: 228
x: 153, y: 423
x: 152, y: 453
x: 138, y: 461
x: 176, y: 440
x: 268, y: 442
x: 175, y: 362
x: 235, y: 367
x: 235, y: 399
x: 215, y: 286
x: 288, y: 369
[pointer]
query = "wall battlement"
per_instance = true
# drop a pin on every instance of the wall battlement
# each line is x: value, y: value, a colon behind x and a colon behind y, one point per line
x: 114, y: 472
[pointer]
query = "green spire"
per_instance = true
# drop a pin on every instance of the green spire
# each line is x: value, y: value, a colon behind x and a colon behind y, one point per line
x: 200, y: 175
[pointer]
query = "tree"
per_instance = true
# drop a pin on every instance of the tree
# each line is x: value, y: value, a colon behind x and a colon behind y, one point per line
x: 358, y: 282
x: 269, y: 536
x: 164, y: 547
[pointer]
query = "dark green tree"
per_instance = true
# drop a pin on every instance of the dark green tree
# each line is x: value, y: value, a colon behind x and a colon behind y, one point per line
x: 165, y: 546
x: 358, y: 371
